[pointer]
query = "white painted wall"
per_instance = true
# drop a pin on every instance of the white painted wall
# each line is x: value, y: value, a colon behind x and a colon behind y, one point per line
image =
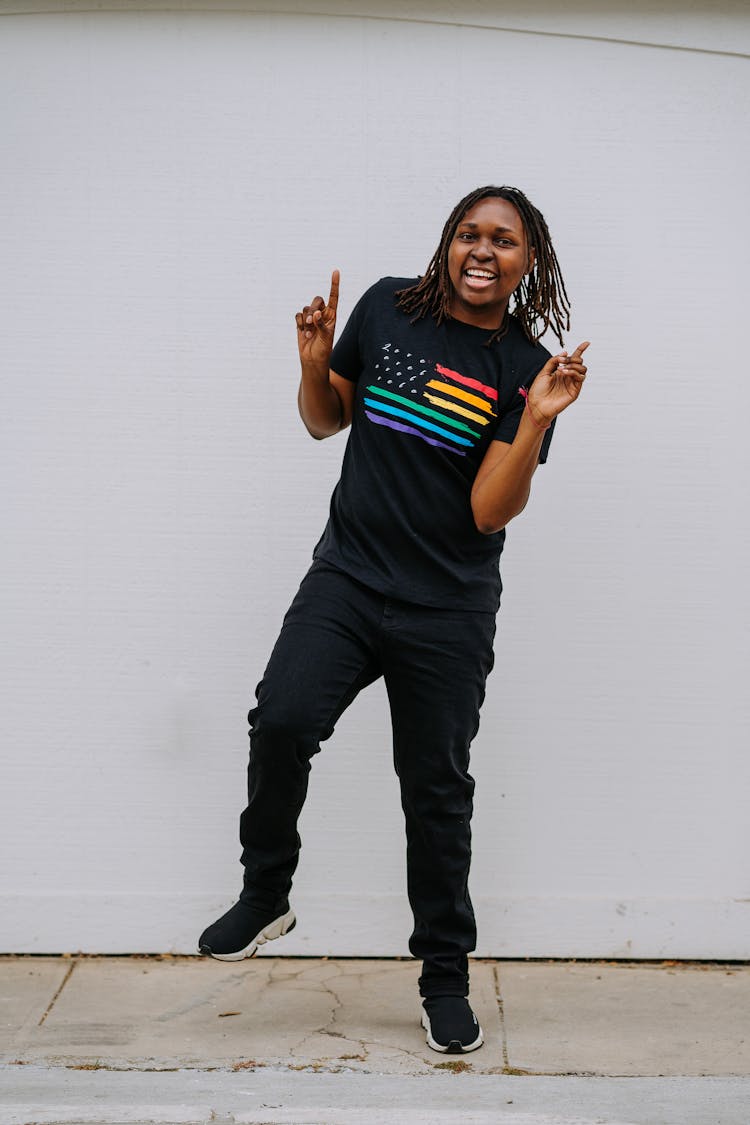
x: 174, y: 185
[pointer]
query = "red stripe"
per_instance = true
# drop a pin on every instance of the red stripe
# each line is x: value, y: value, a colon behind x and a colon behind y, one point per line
x: 473, y: 383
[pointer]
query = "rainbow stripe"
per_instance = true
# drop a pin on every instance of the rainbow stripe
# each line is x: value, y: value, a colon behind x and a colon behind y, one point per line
x: 453, y: 406
x: 410, y: 430
x: 398, y: 413
x: 467, y: 382
x: 456, y: 392
x: 411, y: 405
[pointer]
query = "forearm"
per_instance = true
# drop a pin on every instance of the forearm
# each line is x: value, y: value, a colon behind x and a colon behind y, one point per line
x: 319, y: 405
x: 504, y: 491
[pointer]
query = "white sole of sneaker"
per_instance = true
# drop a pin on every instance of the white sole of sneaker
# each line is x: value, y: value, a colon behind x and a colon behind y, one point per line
x: 450, y: 1049
x: 276, y: 929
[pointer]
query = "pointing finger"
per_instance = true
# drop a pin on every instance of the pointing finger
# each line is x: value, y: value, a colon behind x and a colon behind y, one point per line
x: 333, y: 299
x: 581, y: 349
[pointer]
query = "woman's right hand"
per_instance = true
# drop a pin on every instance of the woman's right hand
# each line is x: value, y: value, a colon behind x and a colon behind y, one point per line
x: 557, y: 385
x: 316, y: 325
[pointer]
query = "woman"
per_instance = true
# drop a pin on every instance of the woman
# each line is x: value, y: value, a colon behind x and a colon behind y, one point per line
x: 452, y: 402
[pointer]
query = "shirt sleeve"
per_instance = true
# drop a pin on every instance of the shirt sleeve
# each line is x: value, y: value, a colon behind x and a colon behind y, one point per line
x: 346, y: 356
x: 507, y: 426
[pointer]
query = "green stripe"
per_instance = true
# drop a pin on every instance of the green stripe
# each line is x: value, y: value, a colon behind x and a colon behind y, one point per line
x: 445, y: 419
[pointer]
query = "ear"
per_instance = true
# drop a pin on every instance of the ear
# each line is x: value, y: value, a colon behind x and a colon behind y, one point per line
x: 532, y: 259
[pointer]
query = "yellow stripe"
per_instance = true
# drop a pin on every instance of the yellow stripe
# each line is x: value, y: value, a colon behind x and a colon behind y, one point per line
x: 457, y: 409
x: 457, y: 393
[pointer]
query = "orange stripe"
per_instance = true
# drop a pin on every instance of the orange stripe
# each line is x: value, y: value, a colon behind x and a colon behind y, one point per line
x: 457, y: 409
x: 456, y: 392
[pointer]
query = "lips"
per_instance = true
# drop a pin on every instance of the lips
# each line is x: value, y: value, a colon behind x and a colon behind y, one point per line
x: 479, y: 279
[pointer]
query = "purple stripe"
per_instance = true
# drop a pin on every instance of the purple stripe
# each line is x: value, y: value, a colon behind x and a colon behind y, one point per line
x: 410, y: 430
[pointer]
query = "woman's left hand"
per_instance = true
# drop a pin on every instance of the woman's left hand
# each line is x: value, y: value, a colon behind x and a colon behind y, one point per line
x: 557, y: 385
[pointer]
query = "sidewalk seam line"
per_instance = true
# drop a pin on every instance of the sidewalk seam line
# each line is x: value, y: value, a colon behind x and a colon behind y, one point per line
x: 53, y: 1001
x: 501, y: 1012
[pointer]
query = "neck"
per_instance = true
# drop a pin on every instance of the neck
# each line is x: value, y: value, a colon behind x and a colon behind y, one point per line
x: 478, y: 318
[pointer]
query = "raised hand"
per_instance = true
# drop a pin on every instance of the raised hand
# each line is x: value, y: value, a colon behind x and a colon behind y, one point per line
x: 557, y: 385
x: 315, y: 327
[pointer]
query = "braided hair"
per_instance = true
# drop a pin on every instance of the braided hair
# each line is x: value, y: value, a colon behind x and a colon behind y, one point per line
x: 540, y: 301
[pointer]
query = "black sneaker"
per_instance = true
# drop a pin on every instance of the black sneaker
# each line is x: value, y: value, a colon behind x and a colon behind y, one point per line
x: 240, y: 931
x: 451, y: 1025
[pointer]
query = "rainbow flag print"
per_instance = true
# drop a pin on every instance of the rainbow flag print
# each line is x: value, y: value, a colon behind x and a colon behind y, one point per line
x: 450, y: 412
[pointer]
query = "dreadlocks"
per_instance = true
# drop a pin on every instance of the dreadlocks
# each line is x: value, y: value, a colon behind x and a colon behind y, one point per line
x: 541, y: 301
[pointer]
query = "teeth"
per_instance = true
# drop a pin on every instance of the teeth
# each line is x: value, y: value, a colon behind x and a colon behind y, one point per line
x: 484, y: 274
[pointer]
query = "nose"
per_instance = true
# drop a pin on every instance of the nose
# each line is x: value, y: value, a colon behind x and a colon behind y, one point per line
x: 482, y: 250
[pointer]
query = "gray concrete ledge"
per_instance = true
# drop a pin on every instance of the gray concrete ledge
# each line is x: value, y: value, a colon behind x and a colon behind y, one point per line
x: 63, y: 1097
x: 177, y: 1039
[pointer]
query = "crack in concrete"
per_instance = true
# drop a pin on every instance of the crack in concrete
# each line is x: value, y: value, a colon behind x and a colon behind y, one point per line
x: 501, y: 1012
x: 277, y: 976
x: 209, y: 997
x: 329, y: 1028
x: 391, y: 1050
x: 267, y: 974
x: 277, y: 972
x: 54, y: 999
x: 366, y: 1046
x: 326, y: 1028
x: 307, y: 985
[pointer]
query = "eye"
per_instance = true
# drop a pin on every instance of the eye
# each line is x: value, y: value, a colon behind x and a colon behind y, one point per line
x: 466, y: 236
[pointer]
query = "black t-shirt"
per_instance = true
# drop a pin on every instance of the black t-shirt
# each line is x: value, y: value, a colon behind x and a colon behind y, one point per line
x: 429, y: 401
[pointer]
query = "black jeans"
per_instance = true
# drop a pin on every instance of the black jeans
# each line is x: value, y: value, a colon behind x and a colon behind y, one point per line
x: 338, y: 637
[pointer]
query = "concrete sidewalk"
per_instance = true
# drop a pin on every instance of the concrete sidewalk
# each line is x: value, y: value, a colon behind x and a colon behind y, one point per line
x: 177, y: 1039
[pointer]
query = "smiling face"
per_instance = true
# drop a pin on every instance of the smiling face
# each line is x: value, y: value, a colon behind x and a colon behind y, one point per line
x: 487, y: 260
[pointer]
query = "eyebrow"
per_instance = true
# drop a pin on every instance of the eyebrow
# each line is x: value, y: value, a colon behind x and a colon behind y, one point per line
x: 498, y: 230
